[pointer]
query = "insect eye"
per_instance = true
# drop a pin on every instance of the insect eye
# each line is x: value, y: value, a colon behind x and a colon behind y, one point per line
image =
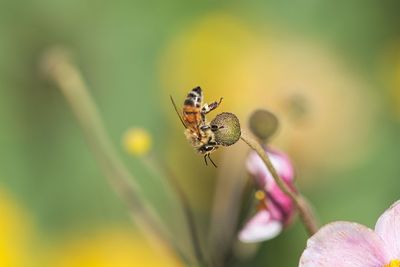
x: 206, y: 148
x: 209, y: 148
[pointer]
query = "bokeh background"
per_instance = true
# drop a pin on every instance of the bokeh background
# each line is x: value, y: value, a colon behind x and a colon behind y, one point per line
x: 329, y: 70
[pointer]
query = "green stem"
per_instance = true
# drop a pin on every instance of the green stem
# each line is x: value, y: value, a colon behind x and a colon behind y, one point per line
x: 306, y: 215
x: 160, y: 167
x: 58, y: 68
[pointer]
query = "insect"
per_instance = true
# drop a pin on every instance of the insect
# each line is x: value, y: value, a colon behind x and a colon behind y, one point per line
x: 198, y: 131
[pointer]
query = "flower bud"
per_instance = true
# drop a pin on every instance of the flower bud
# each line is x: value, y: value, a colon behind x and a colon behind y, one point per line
x: 263, y: 124
x: 228, y: 131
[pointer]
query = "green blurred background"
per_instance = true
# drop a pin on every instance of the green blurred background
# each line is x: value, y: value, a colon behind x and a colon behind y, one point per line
x: 329, y: 70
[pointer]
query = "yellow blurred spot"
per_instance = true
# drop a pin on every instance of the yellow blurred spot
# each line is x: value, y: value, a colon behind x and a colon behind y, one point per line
x: 300, y: 81
x: 137, y: 141
x: 110, y: 248
x: 221, y: 54
x: 14, y: 234
x: 259, y: 195
x: 393, y: 263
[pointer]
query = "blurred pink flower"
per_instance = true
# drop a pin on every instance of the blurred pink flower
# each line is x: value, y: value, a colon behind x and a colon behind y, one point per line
x: 348, y: 244
x: 275, y: 209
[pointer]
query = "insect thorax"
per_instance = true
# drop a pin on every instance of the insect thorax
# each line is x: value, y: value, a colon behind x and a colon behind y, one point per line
x: 205, y: 138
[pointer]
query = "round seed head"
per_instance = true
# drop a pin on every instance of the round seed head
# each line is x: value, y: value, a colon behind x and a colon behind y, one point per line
x: 228, y: 128
x: 263, y: 124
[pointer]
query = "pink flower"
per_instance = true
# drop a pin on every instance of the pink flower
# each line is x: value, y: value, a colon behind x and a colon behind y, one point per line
x: 348, y: 244
x: 275, y: 209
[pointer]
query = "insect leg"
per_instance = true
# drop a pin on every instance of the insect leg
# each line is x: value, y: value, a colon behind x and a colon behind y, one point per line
x: 205, y: 159
x: 209, y: 157
x: 207, y: 108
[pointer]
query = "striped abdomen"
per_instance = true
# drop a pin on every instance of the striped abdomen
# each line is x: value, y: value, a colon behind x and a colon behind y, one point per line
x: 192, y: 107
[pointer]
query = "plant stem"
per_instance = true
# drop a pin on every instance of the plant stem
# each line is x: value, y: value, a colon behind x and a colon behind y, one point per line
x: 58, y: 68
x: 162, y: 168
x: 306, y: 215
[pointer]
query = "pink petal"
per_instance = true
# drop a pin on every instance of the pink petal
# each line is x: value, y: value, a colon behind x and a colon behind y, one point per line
x: 282, y: 165
x: 256, y: 167
x: 388, y: 228
x: 344, y: 244
x: 260, y: 228
x: 279, y: 205
x: 280, y: 161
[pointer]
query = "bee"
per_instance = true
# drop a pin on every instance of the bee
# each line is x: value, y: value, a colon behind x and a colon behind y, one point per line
x: 198, y: 131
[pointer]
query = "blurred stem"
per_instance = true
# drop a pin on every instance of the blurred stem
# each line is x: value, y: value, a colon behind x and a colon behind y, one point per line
x: 228, y: 196
x: 57, y: 67
x: 306, y: 214
x: 162, y: 168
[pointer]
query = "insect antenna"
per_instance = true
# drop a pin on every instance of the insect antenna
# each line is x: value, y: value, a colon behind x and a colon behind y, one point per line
x: 177, y: 112
x: 205, y: 159
x: 209, y: 157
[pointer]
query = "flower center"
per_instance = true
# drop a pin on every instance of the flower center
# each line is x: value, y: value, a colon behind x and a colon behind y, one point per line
x: 393, y: 263
x: 259, y: 195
